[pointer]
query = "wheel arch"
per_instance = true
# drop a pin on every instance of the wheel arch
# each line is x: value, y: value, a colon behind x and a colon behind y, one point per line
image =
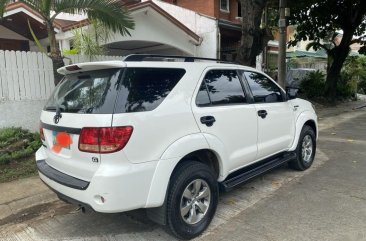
x: 313, y: 126
x: 306, y: 118
x: 191, y: 147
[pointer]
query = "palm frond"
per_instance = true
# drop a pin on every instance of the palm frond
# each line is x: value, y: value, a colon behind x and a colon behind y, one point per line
x: 3, y: 4
x: 36, y: 5
x: 36, y: 40
x: 109, y: 12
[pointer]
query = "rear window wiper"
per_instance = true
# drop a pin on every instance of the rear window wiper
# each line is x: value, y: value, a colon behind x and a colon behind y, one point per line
x: 58, y: 111
x: 51, y: 108
x: 55, y: 108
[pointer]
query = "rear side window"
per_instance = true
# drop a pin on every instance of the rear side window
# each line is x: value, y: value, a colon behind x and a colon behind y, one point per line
x: 92, y: 92
x: 144, y: 89
x: 220, y: 87
x: 263, y: 89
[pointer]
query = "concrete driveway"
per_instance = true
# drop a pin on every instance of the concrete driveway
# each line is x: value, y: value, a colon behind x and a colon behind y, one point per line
x: 327, y: 202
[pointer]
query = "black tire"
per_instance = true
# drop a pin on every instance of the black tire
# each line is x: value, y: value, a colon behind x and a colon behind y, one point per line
x: 301, y: 163
x: 186, y: 173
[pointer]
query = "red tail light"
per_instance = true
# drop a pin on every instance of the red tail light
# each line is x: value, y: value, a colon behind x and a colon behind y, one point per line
x: 104, y: 139
x: 41, y: 133
x: 89, y: 140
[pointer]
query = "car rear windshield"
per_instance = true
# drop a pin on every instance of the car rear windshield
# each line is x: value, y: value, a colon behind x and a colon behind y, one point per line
x: 92, y: 92
x: 96, y: 92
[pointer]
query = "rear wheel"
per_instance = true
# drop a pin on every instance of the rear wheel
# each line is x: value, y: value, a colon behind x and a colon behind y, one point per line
x: 305, y: 150
x: 192, y: 199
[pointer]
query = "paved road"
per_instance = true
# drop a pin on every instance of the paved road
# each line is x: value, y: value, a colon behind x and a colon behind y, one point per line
x: 327, y: 202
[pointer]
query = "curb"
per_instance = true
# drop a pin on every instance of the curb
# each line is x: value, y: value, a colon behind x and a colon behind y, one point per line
x: 17, y: 206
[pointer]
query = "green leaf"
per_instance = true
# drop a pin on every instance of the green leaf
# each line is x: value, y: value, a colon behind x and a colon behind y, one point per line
x: 3, y: 4
x: 109, y: 12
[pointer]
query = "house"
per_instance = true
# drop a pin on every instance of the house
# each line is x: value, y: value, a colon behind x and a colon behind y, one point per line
x: 203, y: 28
x: 227, y: 13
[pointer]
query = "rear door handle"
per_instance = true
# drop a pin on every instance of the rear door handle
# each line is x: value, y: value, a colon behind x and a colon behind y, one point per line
x: 262, y: 113
x: 208, y: 120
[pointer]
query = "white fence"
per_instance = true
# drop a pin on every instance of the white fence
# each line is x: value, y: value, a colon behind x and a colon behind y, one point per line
x: 29, y: 75
x: 25, y: 76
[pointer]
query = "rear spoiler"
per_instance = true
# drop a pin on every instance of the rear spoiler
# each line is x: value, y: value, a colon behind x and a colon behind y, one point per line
x: 83, y: 67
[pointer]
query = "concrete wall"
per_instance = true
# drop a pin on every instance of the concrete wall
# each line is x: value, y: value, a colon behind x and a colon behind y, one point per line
x: 23, y: 114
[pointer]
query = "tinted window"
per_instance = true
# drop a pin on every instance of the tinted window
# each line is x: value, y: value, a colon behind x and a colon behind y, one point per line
x: 144, y: 89
x: 88, y: 92
x: 224, y: 87
x: 202, y: 97
x: 263, y: 89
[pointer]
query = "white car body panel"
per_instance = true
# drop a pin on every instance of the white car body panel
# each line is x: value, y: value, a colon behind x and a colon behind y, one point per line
x: 73, y: 162
x: 230, y: 127
x: 276, y: 131
x: 304, y: 113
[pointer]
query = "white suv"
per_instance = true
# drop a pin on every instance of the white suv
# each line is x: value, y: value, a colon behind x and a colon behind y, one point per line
x: 167, y: 136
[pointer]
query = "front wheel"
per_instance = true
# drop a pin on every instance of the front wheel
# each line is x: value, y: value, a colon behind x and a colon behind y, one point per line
x: 192, y: 199
x: 305, y: 150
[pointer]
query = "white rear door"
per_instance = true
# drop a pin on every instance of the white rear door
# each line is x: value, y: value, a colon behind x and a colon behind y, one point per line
x: 223, y: 114
x: 81, y: 100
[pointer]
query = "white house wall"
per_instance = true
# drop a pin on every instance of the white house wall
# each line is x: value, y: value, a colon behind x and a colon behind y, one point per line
x: 151, y: 26
x: 34, y: 48
x: 203, y: 26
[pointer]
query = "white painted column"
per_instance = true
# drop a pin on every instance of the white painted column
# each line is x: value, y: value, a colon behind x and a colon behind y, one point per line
x: 65, y: 44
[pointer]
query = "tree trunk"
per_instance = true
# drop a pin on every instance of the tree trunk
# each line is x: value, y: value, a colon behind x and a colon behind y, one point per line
x: 340, y: 54
x: 251, y: 43
x: 55, y: 54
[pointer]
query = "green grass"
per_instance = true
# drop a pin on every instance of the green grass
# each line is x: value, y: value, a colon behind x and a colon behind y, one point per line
x: 17, y: 148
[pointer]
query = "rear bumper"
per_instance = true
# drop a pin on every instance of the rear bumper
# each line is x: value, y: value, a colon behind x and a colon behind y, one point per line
x: 60, y: 177
x: 70, y: 200
x: 113, y: 188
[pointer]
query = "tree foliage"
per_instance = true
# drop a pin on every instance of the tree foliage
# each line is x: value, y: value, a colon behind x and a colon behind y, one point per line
x: 89, y: 41
x: 323, y: 20
x: 110, y: 13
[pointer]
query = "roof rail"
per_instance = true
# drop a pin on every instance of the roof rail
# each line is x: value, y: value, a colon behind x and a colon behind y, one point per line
x: 142, y: 57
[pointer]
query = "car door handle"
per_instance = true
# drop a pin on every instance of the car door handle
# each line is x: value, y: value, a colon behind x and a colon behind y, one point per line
x: 208, y: 120
x: 262, y: 113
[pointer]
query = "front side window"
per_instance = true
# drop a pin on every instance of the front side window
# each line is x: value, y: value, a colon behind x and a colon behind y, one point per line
x: 224, y: 5
x: 263, y: 89
x: 221, y: 87
x: 144, y: 89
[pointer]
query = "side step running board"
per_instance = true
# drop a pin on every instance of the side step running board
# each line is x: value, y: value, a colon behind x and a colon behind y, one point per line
x: 256, y: 169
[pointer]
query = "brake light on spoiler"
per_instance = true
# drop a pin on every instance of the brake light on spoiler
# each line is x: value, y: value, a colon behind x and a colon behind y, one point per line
x: 104, y: 139
x: 73, y: 68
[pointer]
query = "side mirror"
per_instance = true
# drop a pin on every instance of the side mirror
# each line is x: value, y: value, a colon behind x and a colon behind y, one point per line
x: 292, y: 92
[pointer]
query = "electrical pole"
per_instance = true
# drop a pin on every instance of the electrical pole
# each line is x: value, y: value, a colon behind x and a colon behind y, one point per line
x: 282, y: 44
